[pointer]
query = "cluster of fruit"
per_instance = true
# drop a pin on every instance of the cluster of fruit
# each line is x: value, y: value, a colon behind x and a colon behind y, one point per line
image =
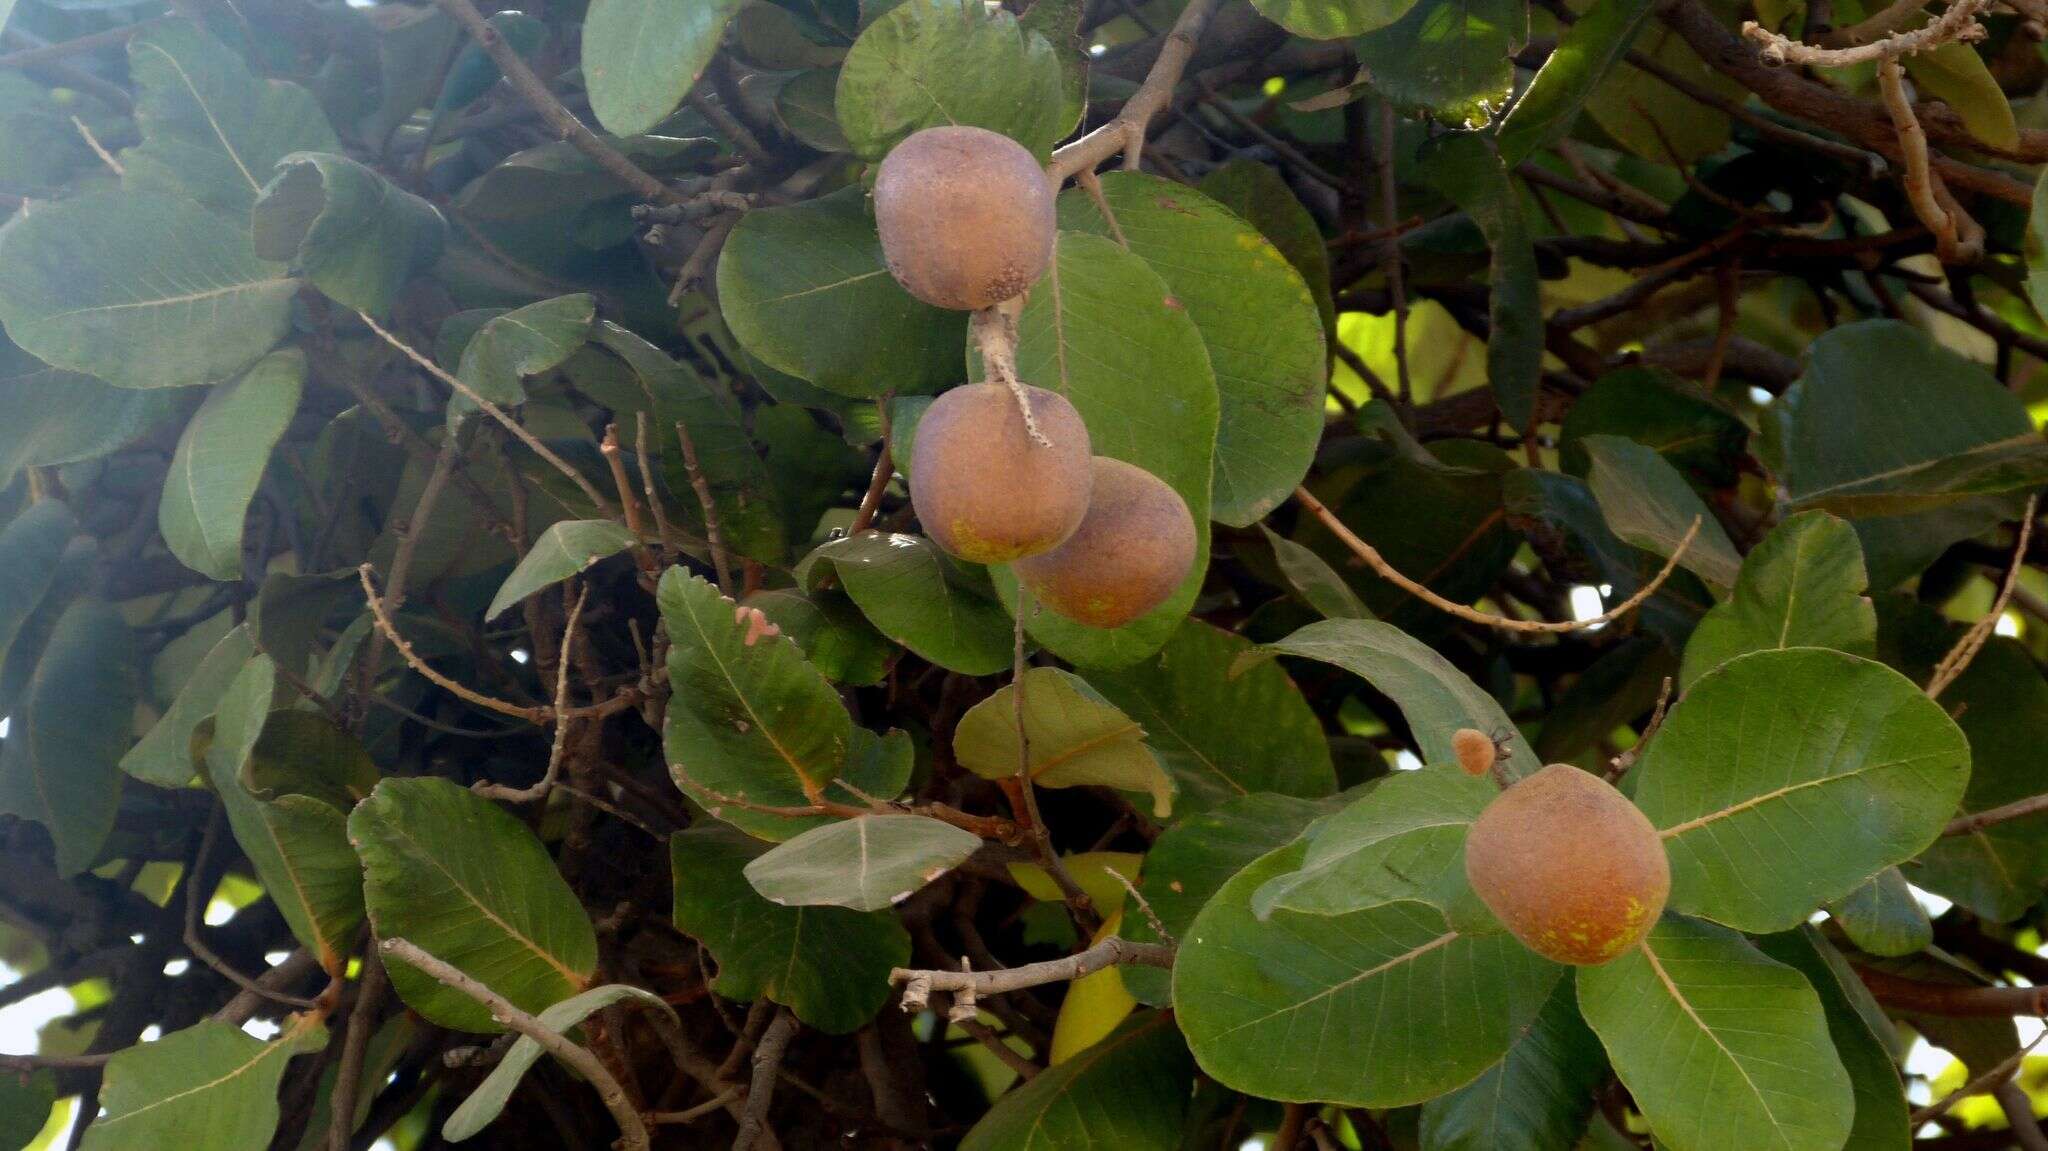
x: 1002, y: 472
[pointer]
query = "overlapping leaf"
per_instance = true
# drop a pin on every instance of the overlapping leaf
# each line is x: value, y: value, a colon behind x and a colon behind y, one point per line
x: 1801, y: 587
x: 909, y: 591
x: 1128, y: 1092
x: 1449, y: 60
x: 346, y: 228
x: 1537, y: 1098
x: 1882, y: 1122
x: 931, y: 62
x: 219, y: 463
x: 1650, y: 505
x: 209, y: 1085
x: 1075, y: 738
x: 566, y: 548
x: 59, y: 764
x: 487, y: 1102
x: 641, y: 57
x: 868, y: 863
x: 51, y: 416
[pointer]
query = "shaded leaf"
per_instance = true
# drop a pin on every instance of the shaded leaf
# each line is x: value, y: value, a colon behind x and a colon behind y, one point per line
x: 1076, y: 739
x: 1786, y: 779
x: 1719, y: 1045
x: 1466, y: 168
x: 1448, y: 59
x: 220, y: 460
x: 1257, y: 319
x: 934, y: 62
x: 31, y: 544
x: 1660, y: 411
x: 1584, y: 55
x: 346, y: 228
x: 51, y: 416
x: 827, y: 964
x: 1127, y: 1092
x: 804, y: 288
x: 909, y: 590
x: 641, y: 57
x: 304, y: 753
x: 1537, y: 1098
x: 1881, y: 1109
x: 25, y: 1100
x: 1801, y: 587
x: 94, y: 282
x: 521, y: 343
x: 164, y: 754
x: 474, y: 73
x: 868, y: 863
x: 1314, y: 580
x: 1567, y: 504
x: 1193, y: 710
x: 834, y: 636
x: 806, y: 106
x: 212, y: 131
x: 1327, y: 1009
x: 1954, y: 73
x: 466, y: 881
x: 1882, y: 917
x: 1332, y: 19
x: 58, y: 766
x: 209, y: 1086
x: 487, y: 1102
x: 1650, y: 505
x: 1623, y: 103
x: 565, y: 549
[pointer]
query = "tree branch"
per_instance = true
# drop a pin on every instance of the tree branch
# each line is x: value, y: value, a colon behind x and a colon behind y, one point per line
x: 1126, y: 133
x: 918, y: 984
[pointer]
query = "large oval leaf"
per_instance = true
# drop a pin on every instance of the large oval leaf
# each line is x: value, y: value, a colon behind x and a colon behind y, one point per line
x: 867, y: 864
x: 220, y: 460
x: 1257, y: 319
x: 93, y: 283
x: 641, y: 57
x: 467, y: 882
x: 1721, y: 1046
x: 1787, y: 778
x: 1882, y: 1121
x: 349, y: 230
x: 1378, y: 1008
x: 1105, y: 331
x: 1128, y: 1092
x: 1801, y: 587
x: 1075, y: 739
x: 58, y: 766
x: 207, y: 1086
x: 51, y: 416
x: 909, y: 591
x: 563, y: 550
x: 933, y: 62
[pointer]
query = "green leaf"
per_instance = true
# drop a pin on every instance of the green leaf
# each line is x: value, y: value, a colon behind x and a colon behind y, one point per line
x: 1313, y: 579
x: 58, y: 766
x: 466, y: 881
x: 31, y: 544
x: 868, y: 863
x: 164, y: 755
x: 641, y: 57
x: 1650, y: 505
x: 1257, y: 319
x: 1465, y: 168
x: 1584, y: 55
x: 474, y: 73
x: 1537, y: 1098
x: 806, y: 104
x: 1786, y: 779
x: 555, y: 180
x: 347, y: 229
x: 93, y: 283
x: 834, y: 636
x: 1104, y: 331
x: 487, y: 1102
x: 1623, y: 102
x: 1565, y: 503
x: 1954, y: 74
x: 672, y: 392
x: 298, y: 845
x: 1260, y: 196
x: 827, y: 964
x: 1193, y: 711
x: 1378, y: 1008
x: 25, y: 1100
x: 1075, y: 739
x: 212, y: 131
x: 1435, y: 697
x: 51, y: 416
x: 1402, y: 840
x: 1719, y: 1045
x: 913, y: 594
x: 748, y: 719
x: 565, y: 549
x: 1332, y: 19
x: 1449, y: 60
x: 521, y: 343
x: 1060, y: 22
x: 1918, y: 410
x: 1882, y: 917
x: 2036, y: 248
x: 1881, y: 1112
x: 304, y: 753
x: 1801, y: 587
x: 1128, y: 1092
x: 804, y: 288
x: 209, y: 1086
x: 220, y: 461
x: 1658, y: 410
x: 1195, y: 857
x: 933, y: 62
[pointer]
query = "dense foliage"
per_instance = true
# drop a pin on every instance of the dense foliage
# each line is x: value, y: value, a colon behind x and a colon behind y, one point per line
x: 473, y: 667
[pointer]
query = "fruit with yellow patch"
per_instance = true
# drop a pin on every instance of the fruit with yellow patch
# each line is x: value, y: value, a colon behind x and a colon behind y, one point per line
x: 1569, y: 866
x: 966, y: 216
x: 983, y: 489
x: 1130, y: 553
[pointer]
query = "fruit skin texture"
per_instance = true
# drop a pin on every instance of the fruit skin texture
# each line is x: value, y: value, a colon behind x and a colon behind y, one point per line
x: 1569, y: 865
x: 984, y: 491
x: 1474, y: 749
x: 1130, y: 553
x: 966, y: 217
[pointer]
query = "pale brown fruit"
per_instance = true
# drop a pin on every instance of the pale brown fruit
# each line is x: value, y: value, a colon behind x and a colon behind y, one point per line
x: 1130, y: 553
x: 983, y: 489
x: 1569, y: 865
x: 1474, y: 749
x: 966, y: 217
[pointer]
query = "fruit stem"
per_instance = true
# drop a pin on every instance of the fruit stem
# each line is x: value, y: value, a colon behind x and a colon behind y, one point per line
x: 996, y: 335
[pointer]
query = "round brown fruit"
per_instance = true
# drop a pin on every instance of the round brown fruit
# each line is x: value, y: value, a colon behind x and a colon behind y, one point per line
x: 984, y: 490
x: 966, y: 217
x: 1130, y: 553
x: 1569, y: 865
x: 1474, y: 749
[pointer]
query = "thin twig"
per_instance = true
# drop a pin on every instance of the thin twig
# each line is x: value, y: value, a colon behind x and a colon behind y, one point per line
x: 1144, y: 906
x: 2004, y: 813
x: 632, y: 1130
x: 700, y: 257
x: 1976, y: 1086
x: 1619, y: 765
x: 1957, y: 25
x: 1388, y: 572
x: 1958, y: 659
x: 720, y: 564
x: 381, y: 615
x: 547, y: 781
x: 918, y: 983
x: 767, y: 1061
x: 494, y: 411
x: 362, y: 1021
x: 692, y: 1114
x: 198, y: 947
x: 662, y: 527
x: 409, y: 533
x: 1923, y: 186
x: 995, y: 333
x: 614, y: 460
x: 885, y: 468
x: 93, y: 142
x: 1126, y: 133
x: 1078, y: 904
